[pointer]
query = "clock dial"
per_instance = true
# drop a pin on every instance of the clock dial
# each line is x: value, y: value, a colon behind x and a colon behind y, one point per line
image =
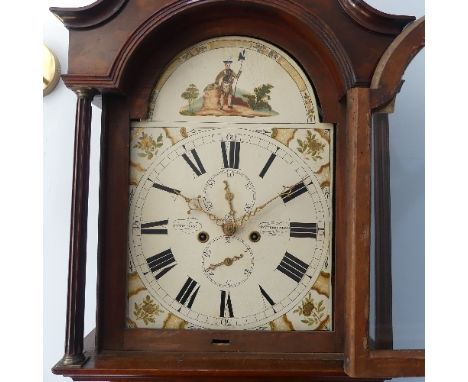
x: 241, y: 279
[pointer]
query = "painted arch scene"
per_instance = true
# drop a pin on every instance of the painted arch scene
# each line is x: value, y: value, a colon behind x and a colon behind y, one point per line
x: 237, y: 78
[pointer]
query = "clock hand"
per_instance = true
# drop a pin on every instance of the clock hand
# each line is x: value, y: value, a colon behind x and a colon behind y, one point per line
x: 194, y: 204
x: 241, y: 221
x: 229, y: 227
x: 228, y: 261
x: 229, y: 197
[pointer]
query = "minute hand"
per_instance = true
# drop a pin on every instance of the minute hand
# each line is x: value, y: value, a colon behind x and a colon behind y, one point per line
x: 241, y: 221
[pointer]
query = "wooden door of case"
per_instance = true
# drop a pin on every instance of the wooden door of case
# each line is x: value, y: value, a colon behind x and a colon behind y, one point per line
x: 360, y: 360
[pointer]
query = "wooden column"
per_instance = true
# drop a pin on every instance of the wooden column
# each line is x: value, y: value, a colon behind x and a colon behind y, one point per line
x: 383, y: 234
x: 358, y: 213
x: 78, y: 230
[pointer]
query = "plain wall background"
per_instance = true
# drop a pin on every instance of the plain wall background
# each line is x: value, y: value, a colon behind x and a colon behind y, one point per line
x: 407, y: 153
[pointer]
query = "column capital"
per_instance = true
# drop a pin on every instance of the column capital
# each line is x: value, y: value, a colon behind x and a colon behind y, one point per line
x: 85, y: 92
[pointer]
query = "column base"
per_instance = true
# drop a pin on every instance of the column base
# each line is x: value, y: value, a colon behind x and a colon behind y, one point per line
x: 76, y: 360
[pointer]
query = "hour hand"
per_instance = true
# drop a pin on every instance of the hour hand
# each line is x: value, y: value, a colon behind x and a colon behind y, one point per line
x: 194, y: 204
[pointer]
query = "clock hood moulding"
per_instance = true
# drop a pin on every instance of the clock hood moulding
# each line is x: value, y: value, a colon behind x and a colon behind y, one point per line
x: 90, y: 15
x: 328, y: 24
x: 373, y: 19
x: 102, y: 10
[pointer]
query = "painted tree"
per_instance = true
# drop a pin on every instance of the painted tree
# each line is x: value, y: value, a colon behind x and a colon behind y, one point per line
x: 190, y: 94
x: 259, y: 100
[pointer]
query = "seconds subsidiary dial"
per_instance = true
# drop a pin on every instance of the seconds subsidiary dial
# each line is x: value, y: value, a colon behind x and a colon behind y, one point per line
x: 229, y: 273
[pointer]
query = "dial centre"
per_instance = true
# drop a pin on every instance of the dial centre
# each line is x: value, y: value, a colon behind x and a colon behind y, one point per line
x: 229, y: 228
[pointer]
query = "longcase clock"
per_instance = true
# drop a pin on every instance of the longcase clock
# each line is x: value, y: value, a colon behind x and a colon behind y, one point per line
x: 235, y: 184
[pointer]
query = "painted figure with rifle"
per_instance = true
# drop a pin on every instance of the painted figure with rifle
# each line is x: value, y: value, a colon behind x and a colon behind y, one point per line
x: 225, y: 80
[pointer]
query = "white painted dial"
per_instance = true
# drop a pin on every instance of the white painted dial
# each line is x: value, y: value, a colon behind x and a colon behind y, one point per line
x: 252, y: 277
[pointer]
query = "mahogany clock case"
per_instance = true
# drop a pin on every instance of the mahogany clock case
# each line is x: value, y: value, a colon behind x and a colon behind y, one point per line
x: 118, y: 112
x: 337, y: 46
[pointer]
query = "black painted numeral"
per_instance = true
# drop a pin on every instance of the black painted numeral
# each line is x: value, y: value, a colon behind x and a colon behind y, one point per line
x: 165, y: 188
x: 188, y: 293
x: 292, y: 267
x: 197, y: 167
x: 225, y: 308
x: 294, y: 192
x: 267, y: 165
x: 267, y: 297
x: 161, y: 263
x: 303, y: 230
x: 231, y: 161
x: 148, y: 228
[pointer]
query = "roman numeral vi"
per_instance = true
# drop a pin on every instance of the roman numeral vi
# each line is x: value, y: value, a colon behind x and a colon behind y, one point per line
x: 225, y: 307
